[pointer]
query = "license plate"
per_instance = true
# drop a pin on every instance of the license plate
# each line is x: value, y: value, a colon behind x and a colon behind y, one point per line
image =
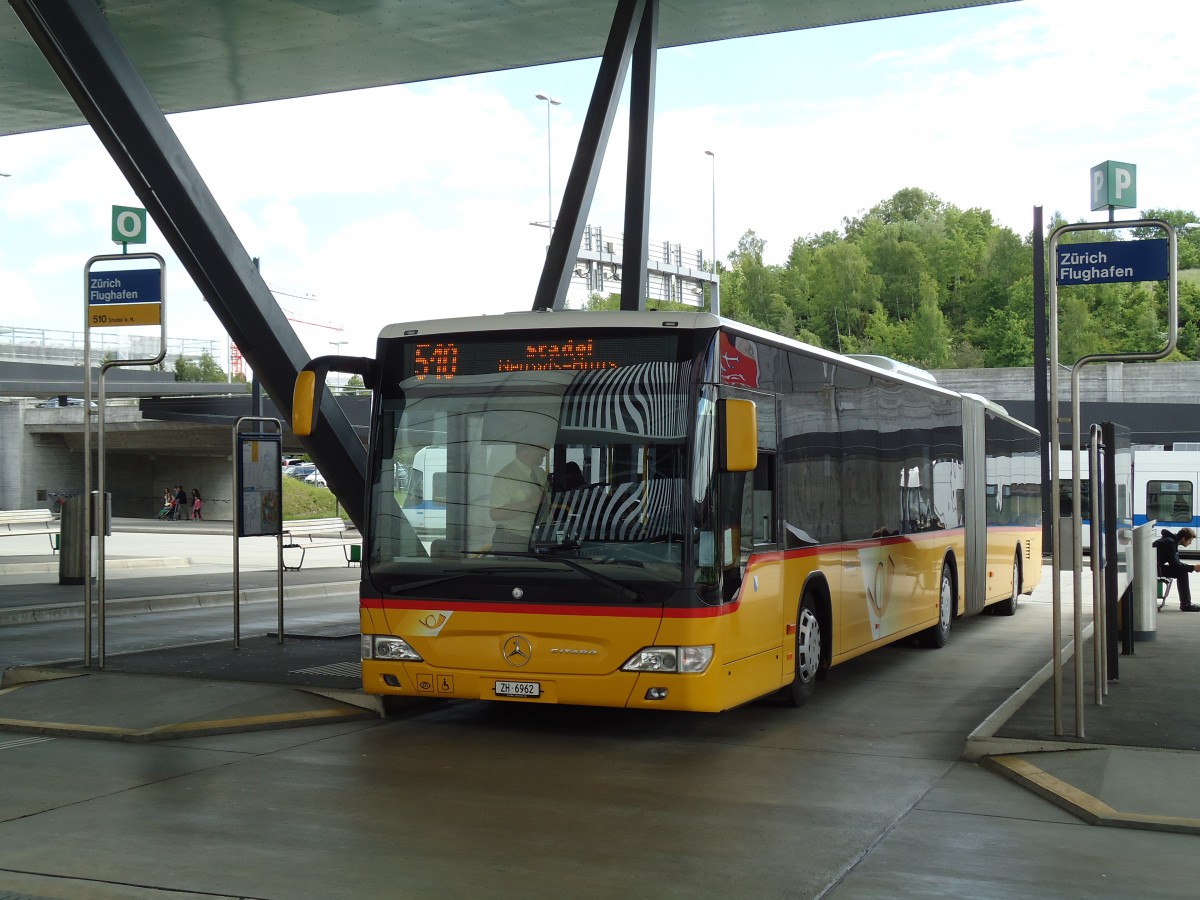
x: 518, y: 689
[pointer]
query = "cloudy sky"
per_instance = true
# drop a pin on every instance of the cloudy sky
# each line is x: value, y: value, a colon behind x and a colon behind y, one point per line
x: 403, y: 203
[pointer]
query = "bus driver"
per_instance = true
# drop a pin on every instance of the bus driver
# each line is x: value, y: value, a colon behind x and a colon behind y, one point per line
x: 517, y: 492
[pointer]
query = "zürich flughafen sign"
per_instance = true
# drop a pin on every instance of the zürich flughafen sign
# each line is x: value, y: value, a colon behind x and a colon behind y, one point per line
x: 1112, y: 261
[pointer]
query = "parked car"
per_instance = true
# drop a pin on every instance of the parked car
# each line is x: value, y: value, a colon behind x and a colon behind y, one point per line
x: 315, y: 478
x: 300, y: 471
x: 71, y: 401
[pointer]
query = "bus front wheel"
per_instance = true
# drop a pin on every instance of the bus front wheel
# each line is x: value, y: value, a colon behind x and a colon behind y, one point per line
x: 937, y: 635
x: 808, y: 653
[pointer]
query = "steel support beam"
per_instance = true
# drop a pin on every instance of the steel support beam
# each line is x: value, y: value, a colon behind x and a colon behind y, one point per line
x: 637, y: 171
x: 76, y: 40
x: 589, y: 156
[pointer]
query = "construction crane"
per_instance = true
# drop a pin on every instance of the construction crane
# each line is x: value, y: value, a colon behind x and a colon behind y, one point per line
x: 237, y: 363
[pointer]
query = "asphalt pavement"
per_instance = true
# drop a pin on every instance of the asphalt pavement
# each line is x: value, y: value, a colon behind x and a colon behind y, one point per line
x: 1133, y: 760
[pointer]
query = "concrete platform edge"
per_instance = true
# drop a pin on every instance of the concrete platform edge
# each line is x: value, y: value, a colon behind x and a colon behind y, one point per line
x: 1088, y: 808
x: 982, y: 740
x: 1008, y: 758
x: 350, y: 706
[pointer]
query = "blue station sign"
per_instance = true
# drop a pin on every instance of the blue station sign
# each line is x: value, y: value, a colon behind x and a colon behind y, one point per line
x: 125, y: 297
x: 1112, y: 261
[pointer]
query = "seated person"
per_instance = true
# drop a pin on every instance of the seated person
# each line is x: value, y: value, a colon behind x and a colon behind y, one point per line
x: 571, y: 478
x: 517, y: 492
x: 1171, y: 566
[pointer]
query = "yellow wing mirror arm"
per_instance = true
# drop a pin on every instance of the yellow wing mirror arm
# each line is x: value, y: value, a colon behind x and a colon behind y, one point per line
x: 310, y: 381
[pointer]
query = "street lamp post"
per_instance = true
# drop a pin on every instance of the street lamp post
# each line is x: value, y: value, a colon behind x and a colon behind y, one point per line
x: 550, y: 101
x: 714, y: 298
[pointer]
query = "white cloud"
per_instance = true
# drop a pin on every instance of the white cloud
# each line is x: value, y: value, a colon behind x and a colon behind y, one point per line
x: 415, y: 202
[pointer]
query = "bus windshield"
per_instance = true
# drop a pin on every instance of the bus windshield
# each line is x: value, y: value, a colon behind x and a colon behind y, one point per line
x: 566, y: 475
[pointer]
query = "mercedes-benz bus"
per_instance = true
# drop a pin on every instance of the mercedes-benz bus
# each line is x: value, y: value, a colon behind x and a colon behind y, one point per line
x: 751, y: 511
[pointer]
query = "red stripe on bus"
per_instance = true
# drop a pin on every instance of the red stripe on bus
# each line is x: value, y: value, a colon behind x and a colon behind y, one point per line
x: 627, y: 612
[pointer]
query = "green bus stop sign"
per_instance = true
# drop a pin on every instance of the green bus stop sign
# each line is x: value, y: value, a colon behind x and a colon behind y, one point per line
x: 128, y: 225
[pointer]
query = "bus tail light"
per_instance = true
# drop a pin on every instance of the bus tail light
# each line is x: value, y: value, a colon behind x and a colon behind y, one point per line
x: 382, y: 646
x: 670, y: 659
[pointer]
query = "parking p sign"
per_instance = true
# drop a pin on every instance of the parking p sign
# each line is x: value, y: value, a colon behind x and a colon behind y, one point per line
x: 128, y: 225
x: 1114, y: 184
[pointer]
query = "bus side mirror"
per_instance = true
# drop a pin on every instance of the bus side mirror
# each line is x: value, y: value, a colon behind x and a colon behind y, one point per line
x: 739, y: 435
x: 306, y: 395
x: 304, y: 403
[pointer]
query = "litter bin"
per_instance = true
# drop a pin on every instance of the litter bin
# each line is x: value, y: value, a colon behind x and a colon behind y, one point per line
x: 74, y: 529
x: 1145, y: 584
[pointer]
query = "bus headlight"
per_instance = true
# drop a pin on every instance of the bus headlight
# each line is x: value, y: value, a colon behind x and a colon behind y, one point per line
x: 670, y: 659
x: 381, y: 646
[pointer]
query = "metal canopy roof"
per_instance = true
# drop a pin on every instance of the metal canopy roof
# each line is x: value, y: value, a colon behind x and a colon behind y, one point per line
x: 199, y: 54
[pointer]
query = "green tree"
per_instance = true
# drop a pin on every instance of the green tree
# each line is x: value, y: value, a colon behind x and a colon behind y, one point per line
x: 930, y: 336
x: 845, y: 294
x: 1005, y: 340
x: 932, y: 284
x: 749, y: 288
x: 204, y: 369
x: 906, y: 205
x: 1078, y: 333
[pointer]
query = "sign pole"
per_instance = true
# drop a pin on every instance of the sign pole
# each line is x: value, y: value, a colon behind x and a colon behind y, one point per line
x: 257, y: 505
x: 143, y: 291
x: 1143, y: 260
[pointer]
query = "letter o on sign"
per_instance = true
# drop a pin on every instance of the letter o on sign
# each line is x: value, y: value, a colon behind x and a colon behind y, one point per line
x: 128, y: 225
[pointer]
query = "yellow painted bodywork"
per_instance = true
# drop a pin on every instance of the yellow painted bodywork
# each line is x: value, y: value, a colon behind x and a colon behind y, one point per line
x: 1003, y: 544
x: 879, y: 590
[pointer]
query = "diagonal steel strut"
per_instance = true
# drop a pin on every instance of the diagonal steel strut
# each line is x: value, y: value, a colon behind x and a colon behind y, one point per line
x: 92, y: 64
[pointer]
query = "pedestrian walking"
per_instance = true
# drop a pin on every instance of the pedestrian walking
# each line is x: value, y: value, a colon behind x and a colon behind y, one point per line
x: 197, y: 504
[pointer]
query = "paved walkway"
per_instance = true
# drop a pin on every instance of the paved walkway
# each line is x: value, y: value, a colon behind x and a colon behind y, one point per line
x: 1133, y: 761
x: 152, y: 565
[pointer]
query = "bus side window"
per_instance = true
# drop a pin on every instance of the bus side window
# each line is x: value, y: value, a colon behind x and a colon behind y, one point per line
x: 758, y: 514
x: 749, y: 519
x: 1169, y: 501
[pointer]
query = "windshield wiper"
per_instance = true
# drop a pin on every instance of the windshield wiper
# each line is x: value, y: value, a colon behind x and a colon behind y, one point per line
x: 626, y: 592
x: 555, y: 550
x: 417, y: 585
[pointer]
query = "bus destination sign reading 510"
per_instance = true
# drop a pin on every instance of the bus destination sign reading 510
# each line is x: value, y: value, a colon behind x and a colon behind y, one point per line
x: 444, y: 360
x: 124, y: 297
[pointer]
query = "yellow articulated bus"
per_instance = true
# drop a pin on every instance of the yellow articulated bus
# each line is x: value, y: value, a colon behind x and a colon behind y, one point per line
x: 667, y: 510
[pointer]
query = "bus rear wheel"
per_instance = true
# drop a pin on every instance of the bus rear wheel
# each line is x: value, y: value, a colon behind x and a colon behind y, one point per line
x: 938, y: 635
x: 808, y: 653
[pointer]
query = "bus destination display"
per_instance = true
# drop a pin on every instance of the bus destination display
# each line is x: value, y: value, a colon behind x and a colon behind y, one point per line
x: 444, y: 360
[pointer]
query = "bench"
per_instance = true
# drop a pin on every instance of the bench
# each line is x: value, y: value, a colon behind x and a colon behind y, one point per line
x: 30, y: 521
x: 305, y: 534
